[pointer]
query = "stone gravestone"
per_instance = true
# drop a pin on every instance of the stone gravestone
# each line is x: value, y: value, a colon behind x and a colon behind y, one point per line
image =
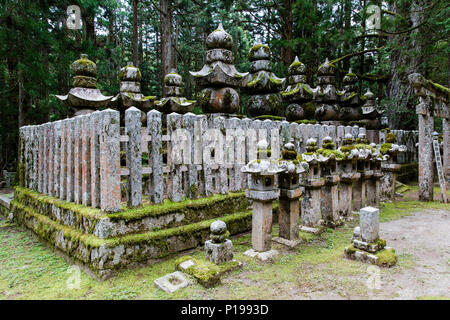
x: 218, y: 249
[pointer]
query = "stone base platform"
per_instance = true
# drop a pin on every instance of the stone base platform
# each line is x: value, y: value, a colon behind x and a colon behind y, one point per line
x: 312, y: 230
x: 292, y: 244
x: 262, y: 256
x: 106, y: 243
x: 383, y: 258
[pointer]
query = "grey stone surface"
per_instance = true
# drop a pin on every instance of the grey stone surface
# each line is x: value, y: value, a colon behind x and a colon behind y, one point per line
x: 154, y: 126
x: 288, y: 218
x: 219, y: 252
x: 133, y: 156
x: 262, y: 226
x: 172, y: 282
x: 369, y: 223
x: 262, y: 256
x: 218, y: 227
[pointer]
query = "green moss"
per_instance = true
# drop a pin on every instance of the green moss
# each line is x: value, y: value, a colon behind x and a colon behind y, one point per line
x: 306, y: 121
x: 275, y: 81
x: 328, y: 152
x: 386, y: 258
x: 385, y: 147
x: 381, y: 243
x: 205, y: 272
x: 255, y: 48
x: 347, y: 148
x: 351, y: 250
x: 351, y: 96
x: 390, y: 137
x: 268, y: 116
x: 439, y: 88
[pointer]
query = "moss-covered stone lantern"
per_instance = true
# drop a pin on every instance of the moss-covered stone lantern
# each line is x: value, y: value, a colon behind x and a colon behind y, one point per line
x: 290, y: 192
x: 373, y: 187
x: 298, y: 94
x: 219, y: 77
x: 327, y: 108
x: 262, y: 84
x: 84, y: 97
x: 174, y: 100
x: 348, y: 174
x: 262, y: 190
x: 389, y: 151
x: 349, y: 98
x: 363, y: 166
x: 329, y: 200
x: 313, y: 182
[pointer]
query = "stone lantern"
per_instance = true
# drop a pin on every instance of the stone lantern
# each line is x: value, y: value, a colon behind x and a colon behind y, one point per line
x: 290, y: 192
x: 370, y: 113
x: 219, y: 77
x: 262, y: 190
x: 262, y: 84
x: 327, y: 108
x: 389, y: 151
x: 174, y: 100
x: 313, y: 182
x: 130, y: 92
x: 298, y: 93
x: 349, y: 98
x: 329, y: 193
x: 84, y: 97
x: 373, y: 184
x: 348, y: 174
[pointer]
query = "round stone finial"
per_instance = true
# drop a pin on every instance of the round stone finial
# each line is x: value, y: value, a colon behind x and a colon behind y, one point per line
x: 262, y: 145
x: 297, y: 68
x: 219, y: 39
x: 259, y: 52
x: 84, y: 67
x: 369, y: 94
x: 130, y: 73
x: 326, y: 69
x: 350, y: 77
x: 173, y: 78
x: 218, y: 227
x: 289, y: 152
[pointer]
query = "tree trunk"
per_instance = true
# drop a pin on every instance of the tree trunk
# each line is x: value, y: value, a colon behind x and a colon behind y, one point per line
x: 135, y: 41
x: 166, y: 39
x: 287, y: 52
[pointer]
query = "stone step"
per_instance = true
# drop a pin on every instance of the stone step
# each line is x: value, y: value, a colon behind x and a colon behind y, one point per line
x: 104, y: 257
x: 148, y: 218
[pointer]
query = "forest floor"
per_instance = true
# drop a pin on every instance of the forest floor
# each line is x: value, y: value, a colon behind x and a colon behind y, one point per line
x: 315, y: 270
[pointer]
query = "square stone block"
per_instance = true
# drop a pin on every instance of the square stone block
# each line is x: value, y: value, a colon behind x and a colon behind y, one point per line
x: 172, y: 282
x: 262, y: 256
x: 369, y: 221
x: 218, y: 252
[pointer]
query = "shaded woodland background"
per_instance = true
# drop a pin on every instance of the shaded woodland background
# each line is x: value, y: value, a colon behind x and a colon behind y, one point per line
x: 36, y: 48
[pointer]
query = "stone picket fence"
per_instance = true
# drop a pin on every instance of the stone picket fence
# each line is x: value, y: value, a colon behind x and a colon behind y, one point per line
x: 79, y: 159
x: 409, y: 138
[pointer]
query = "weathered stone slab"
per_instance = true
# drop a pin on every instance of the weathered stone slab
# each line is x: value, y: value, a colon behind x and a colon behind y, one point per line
x: 154, y: 127
x: 96, y: 128
x: 172, y: 282
x: 86, y: 161
x: 261, y: 226
x: 262, y: 256
x: 133, y: 156
x: 288, y: 218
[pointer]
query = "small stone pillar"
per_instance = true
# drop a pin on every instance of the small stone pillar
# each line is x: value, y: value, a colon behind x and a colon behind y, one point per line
x: 290, y: 192
x: 262, y: 191
x: 366, y: 243
x: 363, y: 167
x: 348, y: 175
x: 313, y: 182
x: 219, y: 249
x: 329, y: 193
x: 389, y: 151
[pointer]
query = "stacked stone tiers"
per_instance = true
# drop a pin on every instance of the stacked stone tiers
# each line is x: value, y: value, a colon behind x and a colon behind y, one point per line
x: 262, y: 84
x: 219, y: 77
x: 107, y: 243
x: 174, y: 100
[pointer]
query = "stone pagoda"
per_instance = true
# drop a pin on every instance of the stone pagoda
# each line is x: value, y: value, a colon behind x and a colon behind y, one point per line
x: 262, y: 84
x: 84, y: 97
x: 219, y: 77
x: 174, y: 100
x: 298, y: 94
x: 327, y: 108
x: 349, y: 98
x: 130, y: 91
x: 370, y: 113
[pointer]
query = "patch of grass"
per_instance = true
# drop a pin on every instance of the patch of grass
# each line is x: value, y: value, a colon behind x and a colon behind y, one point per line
x: 432, y: 298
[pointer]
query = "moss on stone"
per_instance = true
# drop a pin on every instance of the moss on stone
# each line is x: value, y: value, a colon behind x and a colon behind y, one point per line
x: 390, y: 137
x: 305, y: 121
x: 385, y: 147
x: 205, y: 272
x: 386, y: 258
x: 268, y: 116
x: 330, y: 152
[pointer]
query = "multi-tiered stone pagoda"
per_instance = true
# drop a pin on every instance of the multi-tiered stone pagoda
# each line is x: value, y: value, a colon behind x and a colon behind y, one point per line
x: 298, y: 93
x: 370, y: 113
x: 349, y: 98
x: 262, y: 84
x: 130, y: 91
x: 219, y: 77
x: 174, y: 100
x: 327, y: 108
x: 84, y: 97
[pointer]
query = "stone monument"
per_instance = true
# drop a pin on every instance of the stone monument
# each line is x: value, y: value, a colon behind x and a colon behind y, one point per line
x: 219, y: 77
x: 219, y: 249
x: 174, y: 100
x: 326, y: 98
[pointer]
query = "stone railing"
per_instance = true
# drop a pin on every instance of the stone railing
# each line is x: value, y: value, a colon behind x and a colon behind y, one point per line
x: 79, y: 159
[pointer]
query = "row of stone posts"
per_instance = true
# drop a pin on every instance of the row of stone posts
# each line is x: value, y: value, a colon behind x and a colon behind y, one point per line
x: 332, y: 183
